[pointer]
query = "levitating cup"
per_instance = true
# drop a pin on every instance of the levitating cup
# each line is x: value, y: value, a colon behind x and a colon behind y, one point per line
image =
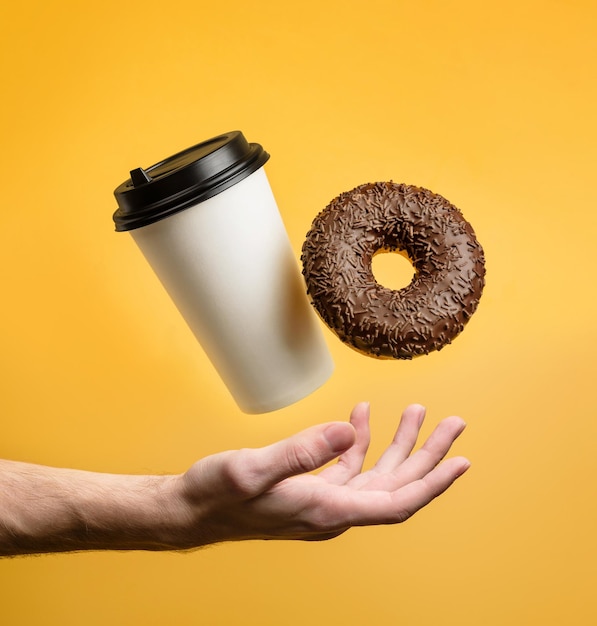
x: 207, y: 222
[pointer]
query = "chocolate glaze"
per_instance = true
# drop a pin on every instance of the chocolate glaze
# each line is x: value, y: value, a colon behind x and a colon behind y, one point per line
x: 448, y: 260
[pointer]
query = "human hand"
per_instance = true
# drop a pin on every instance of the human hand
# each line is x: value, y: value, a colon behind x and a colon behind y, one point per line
x: 269, y: 493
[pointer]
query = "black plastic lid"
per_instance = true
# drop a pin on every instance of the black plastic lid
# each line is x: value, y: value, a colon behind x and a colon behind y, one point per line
x: 183, y: 180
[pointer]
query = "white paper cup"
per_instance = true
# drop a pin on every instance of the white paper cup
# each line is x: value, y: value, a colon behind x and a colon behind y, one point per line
x: 227, y: 263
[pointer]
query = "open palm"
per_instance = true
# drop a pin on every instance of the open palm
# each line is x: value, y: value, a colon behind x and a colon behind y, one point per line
x: 270, y: 492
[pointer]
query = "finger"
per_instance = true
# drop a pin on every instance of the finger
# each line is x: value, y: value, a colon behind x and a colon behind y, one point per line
x: 351, y: 462
x: 414, y: 496
x: 244, y: 474
x: 423, y: 460
x: 365, y: 508
x: 402, y: 445
x: 404, y: 440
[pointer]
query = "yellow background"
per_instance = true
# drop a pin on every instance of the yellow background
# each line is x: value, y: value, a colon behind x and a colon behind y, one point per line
x: 491, y: 105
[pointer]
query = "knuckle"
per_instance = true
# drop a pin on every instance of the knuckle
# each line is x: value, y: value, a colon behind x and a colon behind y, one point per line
x: 238, y: 478
x: 301, y: 458
x: 402, y: 515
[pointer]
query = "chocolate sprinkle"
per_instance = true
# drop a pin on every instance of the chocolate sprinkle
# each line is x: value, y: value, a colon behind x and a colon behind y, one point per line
x: 401, y: 324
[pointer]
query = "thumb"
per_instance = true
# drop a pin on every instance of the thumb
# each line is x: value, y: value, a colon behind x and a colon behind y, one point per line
x: 299, y: 454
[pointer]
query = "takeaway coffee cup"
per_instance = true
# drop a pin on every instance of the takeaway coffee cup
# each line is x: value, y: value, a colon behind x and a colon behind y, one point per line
x: 208, y: 224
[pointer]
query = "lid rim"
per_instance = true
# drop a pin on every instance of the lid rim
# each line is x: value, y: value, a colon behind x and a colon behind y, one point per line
x: 125, y: 222
x: 189, y: 182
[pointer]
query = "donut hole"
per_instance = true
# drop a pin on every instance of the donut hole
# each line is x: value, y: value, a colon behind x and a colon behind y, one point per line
x: 392, y: 269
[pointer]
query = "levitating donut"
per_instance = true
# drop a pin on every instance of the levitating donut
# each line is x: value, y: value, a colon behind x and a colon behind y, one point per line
x: 401, y: 324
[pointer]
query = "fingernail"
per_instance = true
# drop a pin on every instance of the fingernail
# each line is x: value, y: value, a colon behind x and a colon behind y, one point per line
x: 364, y: 406
x: 421, y: 411
x: 465, y: 465
x: 339, y: 436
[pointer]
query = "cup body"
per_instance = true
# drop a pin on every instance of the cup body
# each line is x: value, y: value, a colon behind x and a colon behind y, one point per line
x: 229, y: 267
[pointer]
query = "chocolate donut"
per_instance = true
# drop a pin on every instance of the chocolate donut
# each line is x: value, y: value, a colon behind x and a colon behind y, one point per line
x: 401, y: 324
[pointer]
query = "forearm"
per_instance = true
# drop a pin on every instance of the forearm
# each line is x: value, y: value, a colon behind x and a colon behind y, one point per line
x: 45, y: 509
